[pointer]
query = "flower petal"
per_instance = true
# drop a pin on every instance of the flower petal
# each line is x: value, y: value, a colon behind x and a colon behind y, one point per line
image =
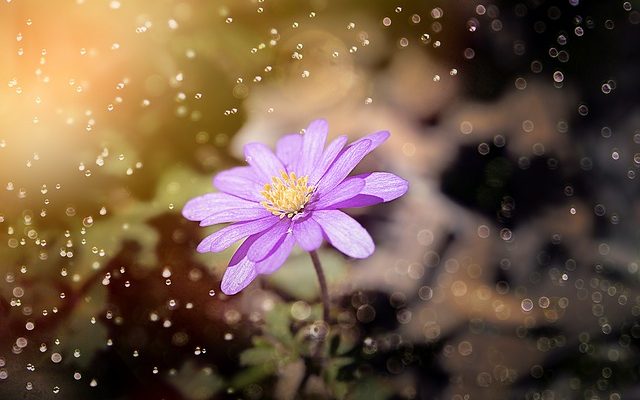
x: 379, y: 187
x: 265, y: 244
x: 263, y: 161
x: 347, y: 189
x: 242, y: 271
x: 345, y: 233
x: 376, y: 139
x: 343, y: 165
x: 312, y: 146
x: 239, y: 277
x: 201, y: 207
x: 224, y: 216
x: 308, y: 234
x: 288, y: 149
x: 241, y: 182
x: 226, y: 236
x: 241, y: 252
x: 277, y: 258
x: 329, y: 155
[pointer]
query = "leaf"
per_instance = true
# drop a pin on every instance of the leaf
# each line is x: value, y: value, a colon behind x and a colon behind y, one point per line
x: 196, y: 383
x: 129, y: 220
x: 257, y: 356
x: 278, y: 325
x: 334, y: 344
x: 80, y: 335
x: 340, y: 389
x: 371, y: 389
x: 253, y: 374
x: 334, y: 365
x: 289, y: 378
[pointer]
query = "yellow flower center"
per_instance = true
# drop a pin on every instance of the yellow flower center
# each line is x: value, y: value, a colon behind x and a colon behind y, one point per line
x: 286, y: 195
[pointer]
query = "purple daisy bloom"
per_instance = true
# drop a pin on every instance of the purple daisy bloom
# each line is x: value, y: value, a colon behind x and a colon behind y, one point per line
x: 292, y: 197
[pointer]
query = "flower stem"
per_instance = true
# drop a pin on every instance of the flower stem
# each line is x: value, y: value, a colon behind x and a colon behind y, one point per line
x: 323, y: 285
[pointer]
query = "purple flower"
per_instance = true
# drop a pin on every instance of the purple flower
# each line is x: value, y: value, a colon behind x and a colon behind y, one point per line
x: 292, y: 197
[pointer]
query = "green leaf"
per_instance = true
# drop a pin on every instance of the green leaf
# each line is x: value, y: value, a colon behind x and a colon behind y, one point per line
x: 258, y: 355
x: 334, y: 365
x: 334, y: 344
x: 196, y: 383
x: 278, y: 325
x: 253, y: 374
x: 371, y: 389
x: 82, y: 338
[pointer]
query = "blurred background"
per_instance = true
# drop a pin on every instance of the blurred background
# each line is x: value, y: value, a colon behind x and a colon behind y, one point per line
x: 508, y: 271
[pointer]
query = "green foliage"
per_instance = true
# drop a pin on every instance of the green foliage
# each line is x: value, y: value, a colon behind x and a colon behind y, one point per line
x: 83, y: 332
x: 196, y: 383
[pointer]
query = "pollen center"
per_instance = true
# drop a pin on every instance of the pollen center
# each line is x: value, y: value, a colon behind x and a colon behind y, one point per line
x: 286, y: 195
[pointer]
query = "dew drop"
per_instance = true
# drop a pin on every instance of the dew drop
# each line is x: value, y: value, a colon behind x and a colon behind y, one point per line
x: 558, y: 76
x: 56, y: 357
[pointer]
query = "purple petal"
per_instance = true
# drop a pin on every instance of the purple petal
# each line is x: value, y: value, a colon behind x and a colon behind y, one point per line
x: 235, y: 215
x: 274, y: 261
x: 242, y: 251
x: 263, y: 161
x: 201, y: 207
x: 329, y: 155
x: 241, y: 182
x: 376, y: 139
x: 288, y: 149
x: 265, y: 244
x: 226, y: 236
x: 308, y: 234
x: 237, y: 278
x: 343, y: 165
x: 345, y: 233
x: 379, y: 187
x: 347, y: 189
x: 312, y: 146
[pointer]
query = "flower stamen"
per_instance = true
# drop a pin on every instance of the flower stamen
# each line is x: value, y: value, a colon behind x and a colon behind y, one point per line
x: 286, y: 195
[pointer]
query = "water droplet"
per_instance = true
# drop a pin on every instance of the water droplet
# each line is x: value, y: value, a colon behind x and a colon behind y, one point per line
x: 56, y: 357
x: 558, y: 76
x: 583, y: 110
x: 483, y: 231
x: 520, y: 83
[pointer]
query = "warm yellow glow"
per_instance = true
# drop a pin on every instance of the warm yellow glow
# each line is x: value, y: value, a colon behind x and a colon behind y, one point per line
x: 287, y: 195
